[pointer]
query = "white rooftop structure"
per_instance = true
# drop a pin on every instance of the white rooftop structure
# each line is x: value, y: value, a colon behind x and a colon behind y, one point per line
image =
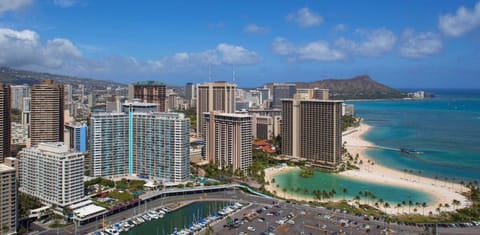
x: 88, y: 211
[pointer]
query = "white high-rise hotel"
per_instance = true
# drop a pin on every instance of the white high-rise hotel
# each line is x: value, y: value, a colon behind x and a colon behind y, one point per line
x: 146, y: 144
x: 52, y: 173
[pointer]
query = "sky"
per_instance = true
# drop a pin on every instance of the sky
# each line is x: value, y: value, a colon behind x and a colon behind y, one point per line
x: 403, y: 44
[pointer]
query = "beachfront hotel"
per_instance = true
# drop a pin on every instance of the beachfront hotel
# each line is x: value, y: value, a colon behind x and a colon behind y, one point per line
x: 8, y: 199
x: 52, y: 173
x: 311, y: 130
x: 147, y: 144
x: 228, y: 139
x: 47, y: 116
x: 214, y: 96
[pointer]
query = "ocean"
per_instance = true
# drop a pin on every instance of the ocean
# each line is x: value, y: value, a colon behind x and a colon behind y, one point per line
x: 445, y: 129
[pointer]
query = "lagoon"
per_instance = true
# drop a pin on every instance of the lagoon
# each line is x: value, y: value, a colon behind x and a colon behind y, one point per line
x: 328, y: 181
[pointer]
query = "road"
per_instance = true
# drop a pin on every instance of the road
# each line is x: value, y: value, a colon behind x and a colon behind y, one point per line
x: 307, y: 219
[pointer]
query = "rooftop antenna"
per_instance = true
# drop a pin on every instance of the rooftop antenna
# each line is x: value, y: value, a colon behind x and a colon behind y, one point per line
x: 209, y: 72
x: 233, y: 73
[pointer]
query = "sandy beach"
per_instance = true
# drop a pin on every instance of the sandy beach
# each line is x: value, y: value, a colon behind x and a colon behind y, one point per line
x: 440, y: 191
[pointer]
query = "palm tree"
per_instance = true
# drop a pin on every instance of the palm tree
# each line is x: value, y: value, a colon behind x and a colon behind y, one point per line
x: 410, y: 203
x: 344, y: 190
x: 385, y: 206
x: 357, y: 198
x: 424, y: 204
x: 398, y: 206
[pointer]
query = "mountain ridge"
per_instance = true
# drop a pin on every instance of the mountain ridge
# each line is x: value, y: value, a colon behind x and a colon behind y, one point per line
x: 358, y: 87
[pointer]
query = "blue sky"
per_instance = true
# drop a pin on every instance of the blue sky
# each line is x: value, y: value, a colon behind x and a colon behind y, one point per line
x: 404, y: 44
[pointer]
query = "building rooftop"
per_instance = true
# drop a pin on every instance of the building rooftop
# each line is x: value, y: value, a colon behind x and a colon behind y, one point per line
x: 88, y: 210
x: 230, y: 114
x: 317, y: 100
x: 4, y: 168
x: 139, y: 104
x: 56, y: 148
x: 152, y: 83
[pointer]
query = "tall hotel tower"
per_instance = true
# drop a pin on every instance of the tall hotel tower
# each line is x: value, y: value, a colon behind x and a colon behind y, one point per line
x: 47, y: 116
x: 5, y: 130
x: 311, y: 130
x: 108, y: 144
x: 147, y: 144
x: 217, y: 96
x: 151, y: 92
x: 229, y: 140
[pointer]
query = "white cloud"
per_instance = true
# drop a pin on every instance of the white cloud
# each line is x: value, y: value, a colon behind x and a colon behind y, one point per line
x: 462, y: 22
x: 23, y: 48
x: 65, y: 3
x: 305, y: 18
x: 231, y: 54
x: 372, y: 42
x: 253, y: 28
x: 419, y: 45
x: 318, y: 50
x: 340, y: 27
x: 13, y: 5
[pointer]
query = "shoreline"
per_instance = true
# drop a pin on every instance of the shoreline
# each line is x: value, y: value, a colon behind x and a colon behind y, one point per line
x: 438, y: 190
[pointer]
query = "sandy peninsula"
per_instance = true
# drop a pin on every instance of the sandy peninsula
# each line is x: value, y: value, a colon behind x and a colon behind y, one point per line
x: 440, y: 191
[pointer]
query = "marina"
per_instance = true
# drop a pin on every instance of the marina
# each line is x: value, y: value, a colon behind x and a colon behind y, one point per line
x: 195, y: 217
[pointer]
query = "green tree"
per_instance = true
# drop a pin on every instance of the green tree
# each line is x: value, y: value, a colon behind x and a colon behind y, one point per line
x: 209, y: 230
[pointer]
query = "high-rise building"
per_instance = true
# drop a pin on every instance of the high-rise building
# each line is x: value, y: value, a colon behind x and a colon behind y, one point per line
x: 148, y: 144
x: 5, y: 129
x: 108, y: 144
x: 47, y: 116
x: 228, y: 140
x: 26, y: 111
x: 264, y: 94
x: 282, y: 91
x: 8, y: 200
x: 262, y: 127
x: 52, y: 173
x: 217, y: 96
x: 311, y: 130
x: 81, y: 93
x: 68, y: 97
x: 173, y: 102
x: 76, y: 136
x: 161, y: 145
x: 151, y: 92
x: 320, y: 94
x: 189, y: 91
x: 18, y: 93
x: 138, y: 107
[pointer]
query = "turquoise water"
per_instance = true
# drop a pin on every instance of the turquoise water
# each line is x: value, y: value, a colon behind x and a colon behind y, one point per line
x: 324, y: 181
x: 177, y: 219
x: 445, y: 128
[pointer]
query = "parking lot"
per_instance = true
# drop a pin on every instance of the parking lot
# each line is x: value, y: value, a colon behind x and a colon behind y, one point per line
x: 288, y: 218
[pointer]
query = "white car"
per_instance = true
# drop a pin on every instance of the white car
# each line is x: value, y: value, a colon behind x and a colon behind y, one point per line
x: 290, y: 221
x: 251, y: 229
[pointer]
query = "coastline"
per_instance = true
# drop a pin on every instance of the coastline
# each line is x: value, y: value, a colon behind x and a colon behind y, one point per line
x: 439, y: 191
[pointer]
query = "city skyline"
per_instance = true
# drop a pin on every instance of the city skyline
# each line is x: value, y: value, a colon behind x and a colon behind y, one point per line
x: 416, y: 44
